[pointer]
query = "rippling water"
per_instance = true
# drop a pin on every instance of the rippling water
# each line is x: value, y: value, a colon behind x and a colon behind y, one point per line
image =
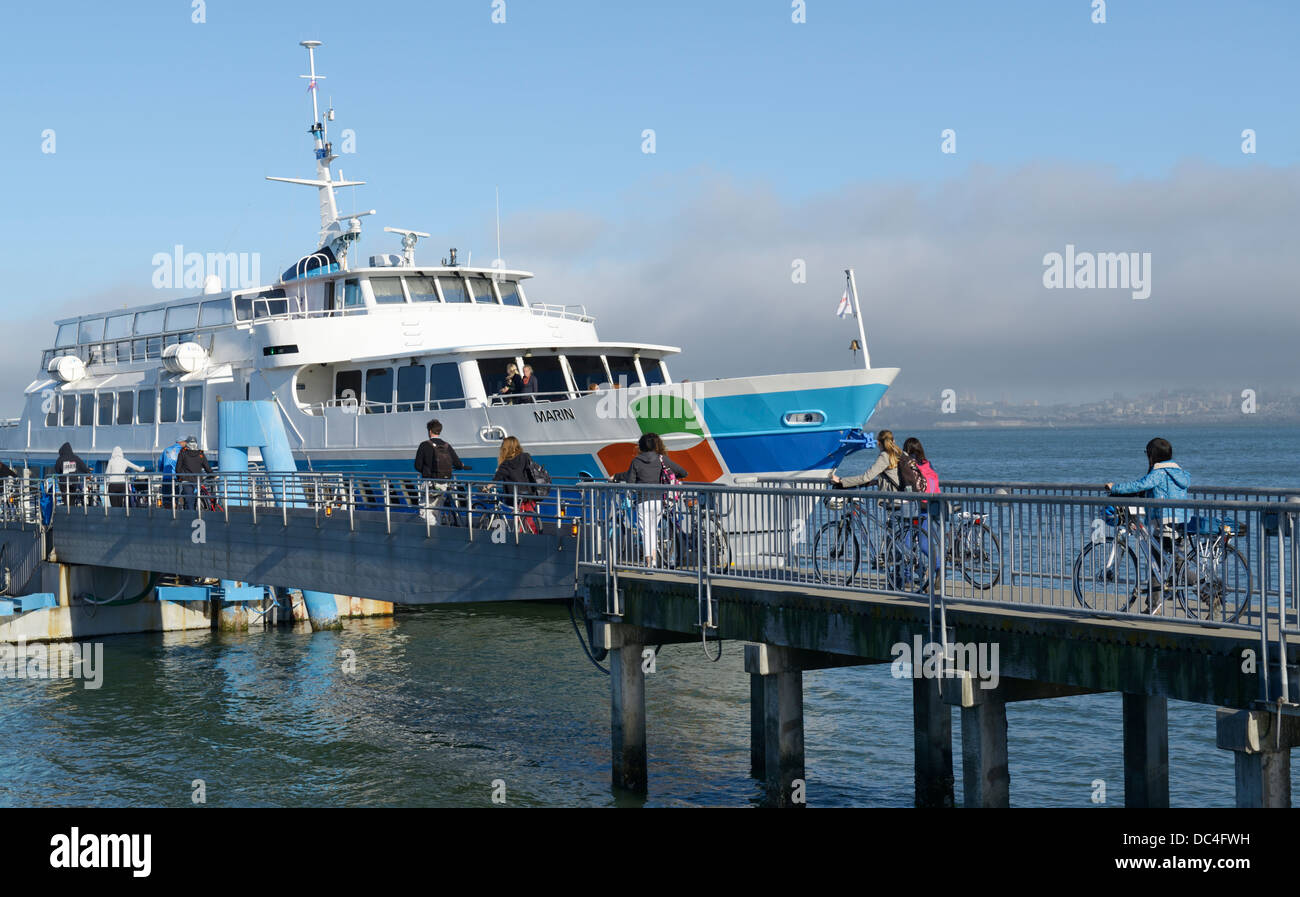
x: 444, y: 701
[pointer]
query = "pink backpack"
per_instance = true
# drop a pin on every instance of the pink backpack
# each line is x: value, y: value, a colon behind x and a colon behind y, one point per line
x: 931, y: 478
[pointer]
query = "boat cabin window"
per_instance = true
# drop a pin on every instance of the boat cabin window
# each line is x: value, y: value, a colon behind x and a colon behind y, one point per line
x: 117, y: 327
x: 125, y: 408
x: 66, y: 336
x: 411, y: 382
x: 379, y: 390
x: 453, y: 289
x: 622, y: 370
x: 493, y: 372
x: 352, y: 299
x: 551, y: 385
x: 509, y: 292
x: 150, y: 321
x: 243, y: 308
x: 69, y: 409
x: 482, y: 289
x: 387, y: 290
x: 52, y: 416
x: 87, y: 416
x: 145, y: 413
x: 654, y: 371
x: 91, y: 331
x: 422, y: 289
x: 588, y: 372
x: 218, y: 311
x: 347, y: 387
x: 445, y: 390
x: 270, y: 304
x: 183, y: 317
x: 105, y: 409
x: 167, y: 405
x: 192, y: 406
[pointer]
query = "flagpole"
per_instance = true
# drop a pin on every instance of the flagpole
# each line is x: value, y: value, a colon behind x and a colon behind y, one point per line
x: 857, y: 311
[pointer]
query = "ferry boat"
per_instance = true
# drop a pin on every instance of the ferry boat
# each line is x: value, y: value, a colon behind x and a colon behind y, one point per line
x: 358, y: 358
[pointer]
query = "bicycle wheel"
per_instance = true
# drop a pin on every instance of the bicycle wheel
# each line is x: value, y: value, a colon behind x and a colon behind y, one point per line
x: 669, y: 542
x: 908, y: 564
x: 1106, y: 575
x: 719, y: 546
x: 836, y: 553
x: 1214, y: 582
x: 978, y: 553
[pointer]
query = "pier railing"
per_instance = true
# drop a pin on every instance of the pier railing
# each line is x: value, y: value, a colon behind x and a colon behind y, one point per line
x: 1226, y: 560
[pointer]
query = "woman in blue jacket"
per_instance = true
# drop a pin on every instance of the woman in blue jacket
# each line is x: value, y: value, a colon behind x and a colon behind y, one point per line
x: 1164, y: 479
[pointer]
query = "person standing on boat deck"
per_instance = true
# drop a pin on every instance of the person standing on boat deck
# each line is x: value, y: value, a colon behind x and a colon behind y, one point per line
x: 513, y: 385
x: 527, y: 385
x: 189, y: 466
x: 167, y: 464
x: 68, y: 464
x: 884, y: 470
x: 651, y: 466
x: 115, y: 474
x: 435, y: 459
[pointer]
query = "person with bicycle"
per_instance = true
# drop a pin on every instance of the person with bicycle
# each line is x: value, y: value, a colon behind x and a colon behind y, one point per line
x: 435, y: 459
x: 190, y: 466
x: 513, y: 464
x: 883, y: 472
x: 1164, y: 479
x: 652, y: 465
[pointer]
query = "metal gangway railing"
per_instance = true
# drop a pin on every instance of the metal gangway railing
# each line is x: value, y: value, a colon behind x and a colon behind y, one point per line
x: 1224, y: 559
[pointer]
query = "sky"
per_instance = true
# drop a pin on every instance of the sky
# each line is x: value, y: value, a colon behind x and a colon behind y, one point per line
x: 780, y: 146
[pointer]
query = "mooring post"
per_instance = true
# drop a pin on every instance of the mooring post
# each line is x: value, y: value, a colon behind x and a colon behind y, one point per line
x: 932, y: 744
x: 232, y: 615
x: 1262, y: 752
x: 322, y: 610
x: 757, y: 731
x: 1146, y: 750
x: 627, y: 716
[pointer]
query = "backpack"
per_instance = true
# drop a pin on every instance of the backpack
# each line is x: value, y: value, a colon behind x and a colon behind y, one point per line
x: 668, y: 477
x: 540, y: 478
x: 931, y: 478
x: 910, y: 476
x: 442, y: 464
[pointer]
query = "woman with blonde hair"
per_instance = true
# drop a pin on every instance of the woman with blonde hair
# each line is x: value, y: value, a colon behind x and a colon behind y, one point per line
x: 884, y: 470
x: 514, y: 384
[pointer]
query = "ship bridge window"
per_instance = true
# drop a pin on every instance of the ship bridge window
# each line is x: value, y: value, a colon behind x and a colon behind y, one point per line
x: 445, y: 390
x: 493, y: 372
x: 218, y: 311
x: 410, y: 387
x: 622, y: 370
x: 69, y: 409
x: 453, y: 289
x: 145, y: 414
x: 510, y: 292
x: 52, y: 416
x: 551, y: 386
x: 347, y: 388
x: 125, y: 408
x: 117, y: 327
x: 106, y: 409
x: 482, y: 288
x: 243, y: 308
x: 387, y: 290
x: 421, y: 289
x: 91, y: 331
x: 86, y: 417
x: 66, y: 336
x: 167, y: 405
x: 588, y: 371
x: 270, y: 304
x: 150, y: 321
x: 352, y: 299
x: 192, y: 404
x: 183, y: 317
x: 654, y: 371
x: 379, y: 390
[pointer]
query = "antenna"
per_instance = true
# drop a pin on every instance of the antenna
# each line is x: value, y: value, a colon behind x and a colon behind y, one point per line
x: 409, y: 238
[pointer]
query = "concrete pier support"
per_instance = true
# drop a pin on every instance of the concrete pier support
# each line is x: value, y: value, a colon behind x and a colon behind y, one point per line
x: 322, y: 610
x: 757, y: 736
x: 932, y: 743
x: 627, y: 717
x: 232, y: 616
x: 1261, y: 743
x: 1146, y: 751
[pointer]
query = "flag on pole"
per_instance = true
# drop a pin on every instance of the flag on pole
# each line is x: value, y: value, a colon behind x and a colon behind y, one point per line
x: 845, y: 308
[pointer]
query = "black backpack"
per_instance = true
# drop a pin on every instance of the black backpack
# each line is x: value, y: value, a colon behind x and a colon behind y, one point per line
x: 909, y: 475
x: 540, y: 478
x: 442, y: 464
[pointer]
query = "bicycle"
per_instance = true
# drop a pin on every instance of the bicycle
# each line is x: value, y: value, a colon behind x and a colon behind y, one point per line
x: 495, y: 512
x: 855, y: 531
x: 678, y: 544
x: 972, y: 547
x: 1208, y: 576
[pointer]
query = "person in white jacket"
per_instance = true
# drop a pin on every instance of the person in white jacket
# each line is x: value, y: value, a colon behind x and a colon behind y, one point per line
x: 115, y: 471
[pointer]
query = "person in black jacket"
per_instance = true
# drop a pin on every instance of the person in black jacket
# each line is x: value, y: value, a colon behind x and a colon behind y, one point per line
x: 190, y: 464
x: 67, y: 465
x: 513, y: 386
x: 652, y: 466
x: 435, y: 459
x: 512, y: 471
x: 527, y: 385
